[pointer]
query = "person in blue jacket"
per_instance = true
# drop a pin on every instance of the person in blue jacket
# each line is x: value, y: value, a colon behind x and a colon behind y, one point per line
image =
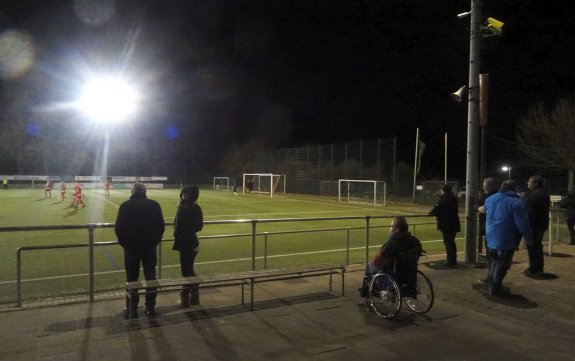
x: 506, y: 222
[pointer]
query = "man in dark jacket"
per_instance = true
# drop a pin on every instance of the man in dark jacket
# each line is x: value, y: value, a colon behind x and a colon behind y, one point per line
x: 399, y: 242
x: 506, y: 222
x: 568, y: 203
x: 538, y: 202
x: 446, y: 211
x: 139, y: 229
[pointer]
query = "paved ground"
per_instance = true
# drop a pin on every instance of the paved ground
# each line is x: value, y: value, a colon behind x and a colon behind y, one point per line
x: 297, y: 321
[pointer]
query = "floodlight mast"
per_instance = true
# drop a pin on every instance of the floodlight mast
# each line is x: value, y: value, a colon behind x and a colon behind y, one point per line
x: 471, y: 181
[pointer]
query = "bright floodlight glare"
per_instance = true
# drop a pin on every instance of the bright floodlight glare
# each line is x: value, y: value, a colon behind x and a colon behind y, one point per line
x: 108, y: 100
x: 505, y: 168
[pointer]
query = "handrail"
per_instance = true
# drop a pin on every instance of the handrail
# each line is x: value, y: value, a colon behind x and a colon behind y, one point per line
x: 254, y: 234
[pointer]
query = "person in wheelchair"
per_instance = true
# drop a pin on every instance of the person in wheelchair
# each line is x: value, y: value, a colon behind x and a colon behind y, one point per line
x: 398, y: 257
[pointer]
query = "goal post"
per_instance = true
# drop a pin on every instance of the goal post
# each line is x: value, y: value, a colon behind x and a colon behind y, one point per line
x: 221, y: 183
x: 362, y: 190
x: 265, y: 183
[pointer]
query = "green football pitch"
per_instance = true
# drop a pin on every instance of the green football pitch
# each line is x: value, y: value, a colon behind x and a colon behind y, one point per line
x: 55, y: 262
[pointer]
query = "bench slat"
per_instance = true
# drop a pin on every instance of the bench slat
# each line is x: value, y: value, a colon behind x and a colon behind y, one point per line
x: 238, y: 278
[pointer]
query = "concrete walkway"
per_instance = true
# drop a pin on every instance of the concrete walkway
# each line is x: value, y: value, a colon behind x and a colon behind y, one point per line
x: 297, y: 320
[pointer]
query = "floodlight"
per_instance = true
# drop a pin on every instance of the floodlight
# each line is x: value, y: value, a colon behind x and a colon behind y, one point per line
x: 458, y: 95
x: 464, y: 15
x: 108, y: 99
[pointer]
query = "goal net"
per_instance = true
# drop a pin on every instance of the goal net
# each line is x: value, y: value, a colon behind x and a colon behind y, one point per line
x: 264, y: 183
x: 222, y: 183
x: 364, y: 191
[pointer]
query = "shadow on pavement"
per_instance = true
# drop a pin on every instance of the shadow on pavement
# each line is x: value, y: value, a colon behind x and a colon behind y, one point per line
x: 505, y: 298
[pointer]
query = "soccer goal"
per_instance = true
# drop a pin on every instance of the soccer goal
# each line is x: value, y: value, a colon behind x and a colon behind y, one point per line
x: 360, y: 190
x: 265, y: 183
x: 222, y: 183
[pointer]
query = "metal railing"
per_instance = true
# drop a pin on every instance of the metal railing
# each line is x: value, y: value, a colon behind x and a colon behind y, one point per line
x: 91, y: 244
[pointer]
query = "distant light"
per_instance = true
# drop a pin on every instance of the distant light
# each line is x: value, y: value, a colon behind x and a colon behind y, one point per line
x: 108, y: 99
x: 17, y: 53
x: 505, y: 168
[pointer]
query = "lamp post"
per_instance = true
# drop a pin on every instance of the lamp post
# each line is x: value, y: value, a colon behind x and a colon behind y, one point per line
x: 471, y: 180
x: 508, y: 170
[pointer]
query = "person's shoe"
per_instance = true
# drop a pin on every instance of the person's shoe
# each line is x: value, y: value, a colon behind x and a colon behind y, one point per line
x: 195, y: 297
x: 126, y: 316
x: 150, y: 312
x: 363, y: 291
x: 184, y: 300
x: 483, y: 281
x: 530, y: 272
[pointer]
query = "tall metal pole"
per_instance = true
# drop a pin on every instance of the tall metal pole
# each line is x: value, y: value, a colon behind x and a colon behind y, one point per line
x: 471, y: 182
x: 445, y: 159
x: 415, y: 165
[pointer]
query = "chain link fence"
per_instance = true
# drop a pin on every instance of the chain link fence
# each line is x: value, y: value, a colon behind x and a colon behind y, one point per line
x: 316, y: 169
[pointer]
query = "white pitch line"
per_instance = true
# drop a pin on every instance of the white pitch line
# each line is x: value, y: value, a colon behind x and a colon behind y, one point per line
x: 112, y: 203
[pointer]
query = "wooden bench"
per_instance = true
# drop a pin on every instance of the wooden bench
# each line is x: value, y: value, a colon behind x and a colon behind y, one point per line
x: 249, y: 278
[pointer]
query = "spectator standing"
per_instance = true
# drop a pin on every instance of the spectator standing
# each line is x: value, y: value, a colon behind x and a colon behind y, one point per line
x: 489, y: 189
x: 5, y: 183
x: 568, y: 202
x: 506, y: 222
x: 538, y: 202
x: 189, y: 220
x: 139, y: 229
x: 446, y: 212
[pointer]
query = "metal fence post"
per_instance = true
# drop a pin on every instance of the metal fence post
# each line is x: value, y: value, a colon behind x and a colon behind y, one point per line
x: 18, y: 277
x: 254, y: 244
x: 367, y: 239
x: 347, y: 249
x: 91, y: 260
x: 266, y: 250
x: 551, y: 234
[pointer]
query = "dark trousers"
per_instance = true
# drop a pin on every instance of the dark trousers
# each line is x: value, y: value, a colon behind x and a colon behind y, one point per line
x: 500, y: 264
x: 535, y: 251
x: 571, y: 227
x: 450, y: 247
x: 187, y: 259
x: 132, y: 259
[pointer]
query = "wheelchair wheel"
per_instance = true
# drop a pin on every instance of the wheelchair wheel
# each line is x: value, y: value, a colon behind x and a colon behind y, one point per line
x: 422, y: 301
x: 384, y: 296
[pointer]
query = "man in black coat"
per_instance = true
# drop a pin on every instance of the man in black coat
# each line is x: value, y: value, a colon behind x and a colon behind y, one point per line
x: 568, y: 203
x: 139, y: 229
x: 538, y: 202
x: 446, y: 212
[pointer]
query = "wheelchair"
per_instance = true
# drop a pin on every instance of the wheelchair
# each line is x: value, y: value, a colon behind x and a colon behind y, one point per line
x: 405, y: 283
x: 386, y: 295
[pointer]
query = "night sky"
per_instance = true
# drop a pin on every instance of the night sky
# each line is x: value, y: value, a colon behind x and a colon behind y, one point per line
x: 290, y: 73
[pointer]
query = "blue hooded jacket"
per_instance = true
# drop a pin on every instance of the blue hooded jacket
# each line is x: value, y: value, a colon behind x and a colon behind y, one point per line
x: 506, y: 221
